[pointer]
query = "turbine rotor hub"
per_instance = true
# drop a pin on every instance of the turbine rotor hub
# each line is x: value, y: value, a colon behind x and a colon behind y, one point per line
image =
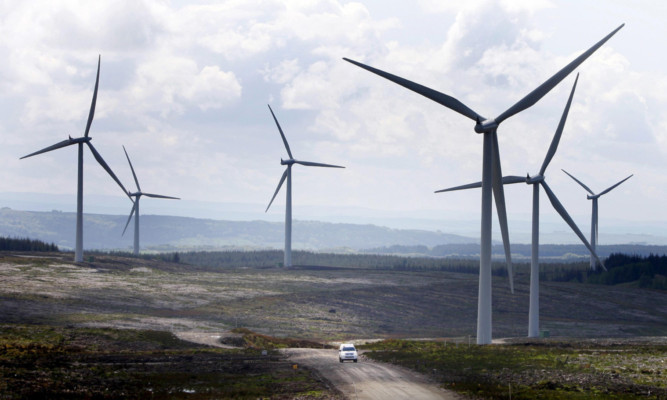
x: 488, y: 125
x: 287, y: 162
x: 80, y: 139
x: 531, y: 180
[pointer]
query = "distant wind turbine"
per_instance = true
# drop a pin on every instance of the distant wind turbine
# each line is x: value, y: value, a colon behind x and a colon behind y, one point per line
x: 594, y: 218
x: 491, y: 171
x: 288, y: 175
x: 135, y: 208
x: 536, y: 181
x: 78, y: 253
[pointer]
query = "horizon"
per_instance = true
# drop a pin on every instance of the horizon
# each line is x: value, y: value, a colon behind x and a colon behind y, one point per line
x: 554, y: 230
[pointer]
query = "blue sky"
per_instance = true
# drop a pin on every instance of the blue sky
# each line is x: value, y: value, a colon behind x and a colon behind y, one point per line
x: 184, y: 86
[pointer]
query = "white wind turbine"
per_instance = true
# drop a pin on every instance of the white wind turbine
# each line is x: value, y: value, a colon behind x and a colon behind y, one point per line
x: 491, y: 171
x: 135, y: 208
x: 78, y: 252
x: 288, y: 175
x: 536, y: 181
x: 594, y: 218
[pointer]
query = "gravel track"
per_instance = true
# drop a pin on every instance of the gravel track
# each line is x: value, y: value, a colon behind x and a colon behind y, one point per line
x: 367, y: 380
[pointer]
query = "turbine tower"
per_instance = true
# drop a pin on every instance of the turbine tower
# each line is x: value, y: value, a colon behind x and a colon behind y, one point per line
x: 536, y: 181
x: 78, y: 252
x: 135, y: 208
x: 491, y: 171
x: 594, y: 218
x: 288, y: 175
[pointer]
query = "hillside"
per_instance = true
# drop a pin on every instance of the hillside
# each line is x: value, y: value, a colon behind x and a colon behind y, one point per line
x: 168, y: 233
x: 308, y: 302
x: 182, y: 233
x: 108, y: 328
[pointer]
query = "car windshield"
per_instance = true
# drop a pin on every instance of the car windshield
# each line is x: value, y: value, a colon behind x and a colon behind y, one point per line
x: 348, y: 348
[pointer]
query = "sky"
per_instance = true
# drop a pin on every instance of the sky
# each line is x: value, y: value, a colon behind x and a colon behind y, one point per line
x: 184, y: 86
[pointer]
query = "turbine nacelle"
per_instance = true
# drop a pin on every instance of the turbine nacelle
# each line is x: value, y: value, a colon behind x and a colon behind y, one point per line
x: 531, y: 180
x: 289, y: 161
x: 82, y: 139
x: 488, y: 125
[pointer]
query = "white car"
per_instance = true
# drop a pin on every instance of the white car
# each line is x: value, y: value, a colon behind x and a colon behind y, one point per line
x: 346, y: 351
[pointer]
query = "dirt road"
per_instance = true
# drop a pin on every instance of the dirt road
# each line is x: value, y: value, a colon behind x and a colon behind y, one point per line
x: 364, y: 380
x: 368, y: 380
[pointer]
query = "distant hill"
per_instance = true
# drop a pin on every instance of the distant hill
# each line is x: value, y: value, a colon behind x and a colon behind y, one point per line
x: 168, y: 233
x: 181, y: 233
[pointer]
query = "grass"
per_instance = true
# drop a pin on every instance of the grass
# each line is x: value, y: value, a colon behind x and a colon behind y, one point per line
x: 253, y: 340
x: 329, y: 304
x: 309, y: 303
x: 39, y: 361
x: 530, y: 370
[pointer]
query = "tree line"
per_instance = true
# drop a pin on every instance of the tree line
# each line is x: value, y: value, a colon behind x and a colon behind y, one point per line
x: 308, y: 259
x: 648, y: 271
x: 25, y: 244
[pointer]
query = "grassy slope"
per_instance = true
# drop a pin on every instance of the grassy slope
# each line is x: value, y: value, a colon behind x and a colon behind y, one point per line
x: 620, y: 369
x: 308, y: 303
x: 69, y: 353
x: 71, y: 363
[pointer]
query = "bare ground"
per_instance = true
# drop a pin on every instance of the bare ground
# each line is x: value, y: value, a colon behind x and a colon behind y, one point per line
x: 340, y: 304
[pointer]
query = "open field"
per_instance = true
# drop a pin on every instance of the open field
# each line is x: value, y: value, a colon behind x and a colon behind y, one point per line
x: 315, y: 303
x: 46, y: 362
x: 77, y: 324
x: 532, y: 369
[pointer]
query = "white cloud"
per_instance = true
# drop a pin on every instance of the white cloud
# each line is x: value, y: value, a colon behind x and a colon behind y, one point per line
x: 171, y: 84
x: 282, y: 73
x: 185, y: 84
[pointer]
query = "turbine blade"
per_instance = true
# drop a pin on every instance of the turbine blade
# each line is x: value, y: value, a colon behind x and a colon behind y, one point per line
x: 132, y: 168
x: 159, y: 196
x: 462, y: 187
x: 58, y: 145
x: 134, y: 207
x: 440, y: 98
x: 289, y: 152
x: 612, y: 187
x: 104, y: 165
x: 94, y: 102
x: 282, y: 179
x: 559, y: 131
x: 566, y: 217
x: 579, y: 182
x: 499, y: 195
x: 314, y: 164
x: 534, y: 96
x: 507, y: 180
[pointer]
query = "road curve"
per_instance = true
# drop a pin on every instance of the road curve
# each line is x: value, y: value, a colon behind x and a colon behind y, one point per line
x: 369, y: 380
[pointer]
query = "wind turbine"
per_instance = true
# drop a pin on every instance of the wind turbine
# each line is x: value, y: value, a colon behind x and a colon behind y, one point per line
x: 594, y: 218
x: 135, y: 208
x: 78, y: 253
x: 536, y: 181
x: 288, y: 175
x: 491, y: 171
